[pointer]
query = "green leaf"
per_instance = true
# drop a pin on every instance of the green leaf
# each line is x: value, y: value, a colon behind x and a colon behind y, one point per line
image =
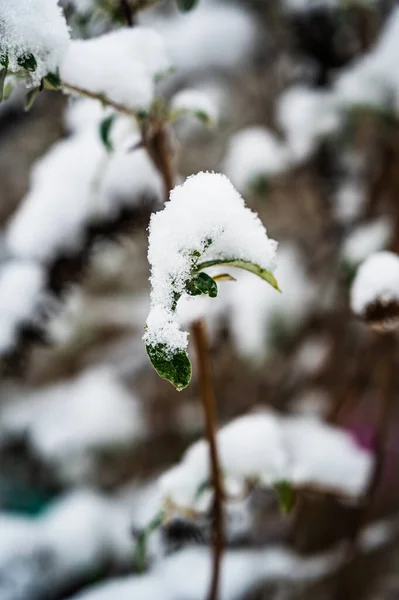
x: 8, y: 88
x: 3, y: 75
x: 202, y: 284
x: 203, y: 117
x: 53, y: 81
x: 142, y: 540
x: 175, y: 368
x: 186, y: 5
x: 242, y: 264
x: 286, y: 495
x: 30, y: 98
x: 224, y: 277
x: 105, y: 131
x: 28, y: 62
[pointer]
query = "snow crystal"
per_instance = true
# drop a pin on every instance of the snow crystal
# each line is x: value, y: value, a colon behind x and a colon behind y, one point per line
x: 377, y: 280
x: 268, y: 448
x: 120, y: 65
x: 306, y: 115
x: 251, y: 153
x: 205, y: 217
x: 35, y: 27
x: 21, y: 291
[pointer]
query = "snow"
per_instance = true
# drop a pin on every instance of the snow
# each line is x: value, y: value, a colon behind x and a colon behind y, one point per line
x: 88, y: 182
x: 372, y: 80
x: 85, y: 528
x: 251, y: 153
x: 312, y: 355
x: 186, y: 574
x: 325, y: 457
x: 121, y: 66
x: 366, y: 239
x: 268, y: 448
x: 68, y: 422
x: 21, y: 292
x: 349, y: 201
x: 80, y: 533
x: 207, y: 216
x: 42, y: 227
x: 36, y: 27
x: 306, y: 115
x: 377, y: 280
x: 307, y: 5
x: 196, y: 102
x: 195, y: 42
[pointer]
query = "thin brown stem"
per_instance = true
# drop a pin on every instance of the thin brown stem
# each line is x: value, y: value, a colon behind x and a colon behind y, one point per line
x: 387, y: 366
x: 388, y: 363
x: 209, y: 408
x: 127, y: 12
x: 160, y: 150
x: 83, y: 92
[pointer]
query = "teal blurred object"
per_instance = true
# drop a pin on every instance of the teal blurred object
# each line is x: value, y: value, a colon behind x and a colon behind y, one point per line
x: 16, y: 498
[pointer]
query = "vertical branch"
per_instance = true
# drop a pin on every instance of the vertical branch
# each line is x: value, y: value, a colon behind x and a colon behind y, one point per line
x: 159, y: 147
x: 387, y: 375
x: 209, y: 408
x: 127, y: 12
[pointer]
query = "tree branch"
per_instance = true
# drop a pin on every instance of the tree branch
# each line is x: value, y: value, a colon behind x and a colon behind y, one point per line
x: 209, y: 409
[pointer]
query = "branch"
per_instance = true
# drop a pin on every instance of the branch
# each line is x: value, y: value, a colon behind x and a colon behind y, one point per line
x: 101, y: 98
x: 208, y: 405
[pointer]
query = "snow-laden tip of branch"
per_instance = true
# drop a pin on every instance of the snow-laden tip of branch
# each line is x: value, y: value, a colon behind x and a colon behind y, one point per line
x: 120, y: 66
x: 21, y: 292
x: 375, y: 289
x: 254, y: 153
x: 205, y: 223
x: 32, y: 28
x: 269, y: 449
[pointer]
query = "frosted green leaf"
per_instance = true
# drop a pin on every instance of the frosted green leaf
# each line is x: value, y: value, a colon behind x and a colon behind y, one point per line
x: 175, y: 368
x: 247, y: 266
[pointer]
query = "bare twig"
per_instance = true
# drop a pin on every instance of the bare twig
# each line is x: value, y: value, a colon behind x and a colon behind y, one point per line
x: 127, y: 12
x: 209, y: 408
x: 159, y: 148
x: 101, y: 97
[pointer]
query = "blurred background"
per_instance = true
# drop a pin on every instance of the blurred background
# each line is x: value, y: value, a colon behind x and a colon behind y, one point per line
x: 302, y: 98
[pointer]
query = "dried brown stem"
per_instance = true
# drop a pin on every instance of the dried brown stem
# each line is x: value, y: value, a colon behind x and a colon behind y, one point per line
x: 209, y: 408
